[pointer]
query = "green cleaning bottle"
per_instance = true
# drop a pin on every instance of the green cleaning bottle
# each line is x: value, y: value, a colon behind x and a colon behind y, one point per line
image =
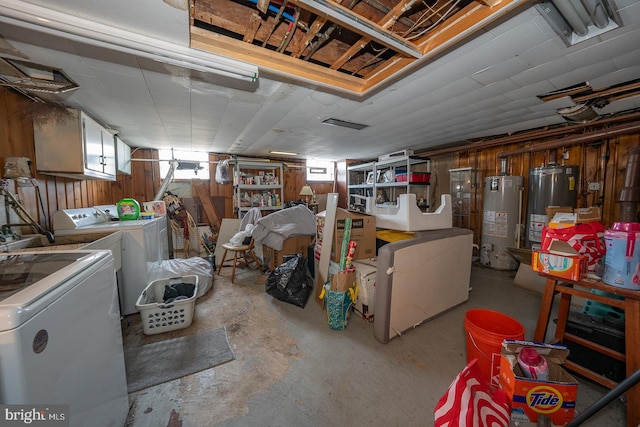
x: 128, y: 209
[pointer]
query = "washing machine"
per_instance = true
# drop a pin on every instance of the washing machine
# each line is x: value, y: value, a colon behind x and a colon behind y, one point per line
x: 144, y: 245
x: 61, y: 351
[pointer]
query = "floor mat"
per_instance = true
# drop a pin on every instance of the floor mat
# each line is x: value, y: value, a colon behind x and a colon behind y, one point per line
x: 167, y: 360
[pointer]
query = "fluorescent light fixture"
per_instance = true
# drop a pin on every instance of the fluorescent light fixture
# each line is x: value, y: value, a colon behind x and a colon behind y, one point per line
x: 344, y: 124
x: 283, y: 153
x: 32, y: 77
x: 43, y: 20
x: 576, y: 21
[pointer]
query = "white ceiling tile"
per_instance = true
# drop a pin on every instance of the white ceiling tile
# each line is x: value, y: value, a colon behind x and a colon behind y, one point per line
x: 616, y: 77
x: 544, y: 52
x: 543, y: 72
x: 530, y: 91
x: 615, y: 43
x: 500, y: 71
x: 583, y: 74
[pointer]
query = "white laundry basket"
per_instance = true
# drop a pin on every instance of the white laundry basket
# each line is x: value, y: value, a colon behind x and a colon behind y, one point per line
x: 158, y: 317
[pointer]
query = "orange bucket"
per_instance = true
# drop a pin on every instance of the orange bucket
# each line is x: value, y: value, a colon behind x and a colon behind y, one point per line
x: 486, y: 329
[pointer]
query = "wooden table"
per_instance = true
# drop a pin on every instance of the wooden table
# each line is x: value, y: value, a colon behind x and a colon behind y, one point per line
x: 630, y: 302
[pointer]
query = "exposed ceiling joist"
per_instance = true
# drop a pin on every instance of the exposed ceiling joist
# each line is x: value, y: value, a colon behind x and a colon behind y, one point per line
x: 352, y: 46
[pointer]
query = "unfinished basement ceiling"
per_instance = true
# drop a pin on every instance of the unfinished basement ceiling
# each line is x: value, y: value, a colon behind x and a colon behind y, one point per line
x: 485, y: 85
x: 349, y: 45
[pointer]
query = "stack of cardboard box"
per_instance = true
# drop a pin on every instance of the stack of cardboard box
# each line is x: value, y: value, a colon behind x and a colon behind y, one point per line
x: 561, y: 259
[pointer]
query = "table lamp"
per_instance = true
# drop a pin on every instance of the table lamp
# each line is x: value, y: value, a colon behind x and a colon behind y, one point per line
x: 306, y: 191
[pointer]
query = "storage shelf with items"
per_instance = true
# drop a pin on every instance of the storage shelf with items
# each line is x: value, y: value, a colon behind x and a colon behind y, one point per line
x: 386, y: 179
x: 464, y: 186
x: 257, y: 185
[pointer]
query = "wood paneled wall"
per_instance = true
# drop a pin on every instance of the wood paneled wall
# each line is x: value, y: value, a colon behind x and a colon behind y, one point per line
x: 604, y: 162
x: 50, y: 193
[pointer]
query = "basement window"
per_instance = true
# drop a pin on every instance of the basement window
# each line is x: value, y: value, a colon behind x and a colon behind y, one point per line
x: 320, y: 170
x: 191, y: 164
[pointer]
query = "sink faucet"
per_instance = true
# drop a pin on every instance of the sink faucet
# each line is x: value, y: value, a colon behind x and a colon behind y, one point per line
x: 12, y: 201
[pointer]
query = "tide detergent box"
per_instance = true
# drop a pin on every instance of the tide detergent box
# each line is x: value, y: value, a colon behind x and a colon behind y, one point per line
x: 565, y: 265
x: 530, y: 398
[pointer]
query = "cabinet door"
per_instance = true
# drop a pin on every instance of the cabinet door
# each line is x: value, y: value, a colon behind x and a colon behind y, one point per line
x: 123, y: 156
x: 108, y: 153
x: 92, y: 139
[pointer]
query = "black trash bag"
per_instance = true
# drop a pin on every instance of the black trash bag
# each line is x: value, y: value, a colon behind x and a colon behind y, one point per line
x: 178, y: 291
x: 290, y: 281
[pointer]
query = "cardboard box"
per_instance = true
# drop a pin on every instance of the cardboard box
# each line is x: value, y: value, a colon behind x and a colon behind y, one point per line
x: 366, y: 271
x: 342, y: 280
x: 293, y: 245
x: 555, y: 398
x: 363, y: 232
x: 590, y: 214
x: 563, y: 220
x: 552, y: 210
x: 568, y: 266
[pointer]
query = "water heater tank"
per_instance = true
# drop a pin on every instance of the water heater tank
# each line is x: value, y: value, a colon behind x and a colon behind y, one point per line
x: 551, y: 185
x: 500, y: 221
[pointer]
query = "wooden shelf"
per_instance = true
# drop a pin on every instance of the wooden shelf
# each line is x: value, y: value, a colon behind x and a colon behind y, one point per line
x: 630, y: 302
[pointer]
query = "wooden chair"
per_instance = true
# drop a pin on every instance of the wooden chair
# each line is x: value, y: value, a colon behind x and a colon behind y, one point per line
x: 243, y: 256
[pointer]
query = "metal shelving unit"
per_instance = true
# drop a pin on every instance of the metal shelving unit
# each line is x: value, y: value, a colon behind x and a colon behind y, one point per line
x: 385, y: 180
x: 257, y: 185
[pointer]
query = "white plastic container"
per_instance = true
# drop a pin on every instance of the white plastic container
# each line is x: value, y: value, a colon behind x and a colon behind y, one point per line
x: 158, y: 317
x: 622, y: 258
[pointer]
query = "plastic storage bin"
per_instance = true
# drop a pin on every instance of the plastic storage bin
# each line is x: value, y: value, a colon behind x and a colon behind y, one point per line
x: 414, y: 177
x: 158, y: 317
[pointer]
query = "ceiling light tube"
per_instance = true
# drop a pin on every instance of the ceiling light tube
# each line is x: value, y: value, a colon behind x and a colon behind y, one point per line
x: 284, y: 153
x: 346, y: 18
x: 48, y: 21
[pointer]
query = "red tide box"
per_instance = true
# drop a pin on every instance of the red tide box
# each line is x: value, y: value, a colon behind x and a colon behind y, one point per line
x: 529, y: 398
x: 567, y: 266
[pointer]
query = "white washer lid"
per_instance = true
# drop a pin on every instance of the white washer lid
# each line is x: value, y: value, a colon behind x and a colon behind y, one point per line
x: 27, y: 277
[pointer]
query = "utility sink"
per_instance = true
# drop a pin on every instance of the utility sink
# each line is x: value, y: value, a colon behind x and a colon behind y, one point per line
x: 38, y: 242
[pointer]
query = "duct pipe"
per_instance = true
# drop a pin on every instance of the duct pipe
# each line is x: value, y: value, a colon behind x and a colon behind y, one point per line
x: 503, y: 166
x: 532, y: 135
x: 572, y: 16
x: 597, y: 12
x: 633, y: 127
x: 167, y: 180
x: 630, y: 193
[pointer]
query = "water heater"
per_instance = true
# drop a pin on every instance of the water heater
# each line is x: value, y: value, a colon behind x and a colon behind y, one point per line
x: 500, y: 221
x: 551, y: 185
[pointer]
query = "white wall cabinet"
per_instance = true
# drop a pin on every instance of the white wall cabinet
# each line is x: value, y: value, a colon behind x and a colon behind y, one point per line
x: 123, y: 156
x: 385, y: 180
x: 257, y: 185
x: 73, y: 145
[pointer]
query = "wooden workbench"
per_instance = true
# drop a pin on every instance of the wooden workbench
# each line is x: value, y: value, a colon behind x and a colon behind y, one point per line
x: 630, y: 302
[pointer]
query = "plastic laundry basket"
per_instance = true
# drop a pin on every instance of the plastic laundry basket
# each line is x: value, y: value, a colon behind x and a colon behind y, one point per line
x: 158, y: 317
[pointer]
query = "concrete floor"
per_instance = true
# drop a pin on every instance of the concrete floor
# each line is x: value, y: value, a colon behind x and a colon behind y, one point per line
x: 292, y: 370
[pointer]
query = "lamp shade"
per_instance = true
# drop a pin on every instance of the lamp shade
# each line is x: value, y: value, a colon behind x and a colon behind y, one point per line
x: 306, y: 191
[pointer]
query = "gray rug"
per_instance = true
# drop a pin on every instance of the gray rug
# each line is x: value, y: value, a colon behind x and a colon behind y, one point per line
x: 167, y: 360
